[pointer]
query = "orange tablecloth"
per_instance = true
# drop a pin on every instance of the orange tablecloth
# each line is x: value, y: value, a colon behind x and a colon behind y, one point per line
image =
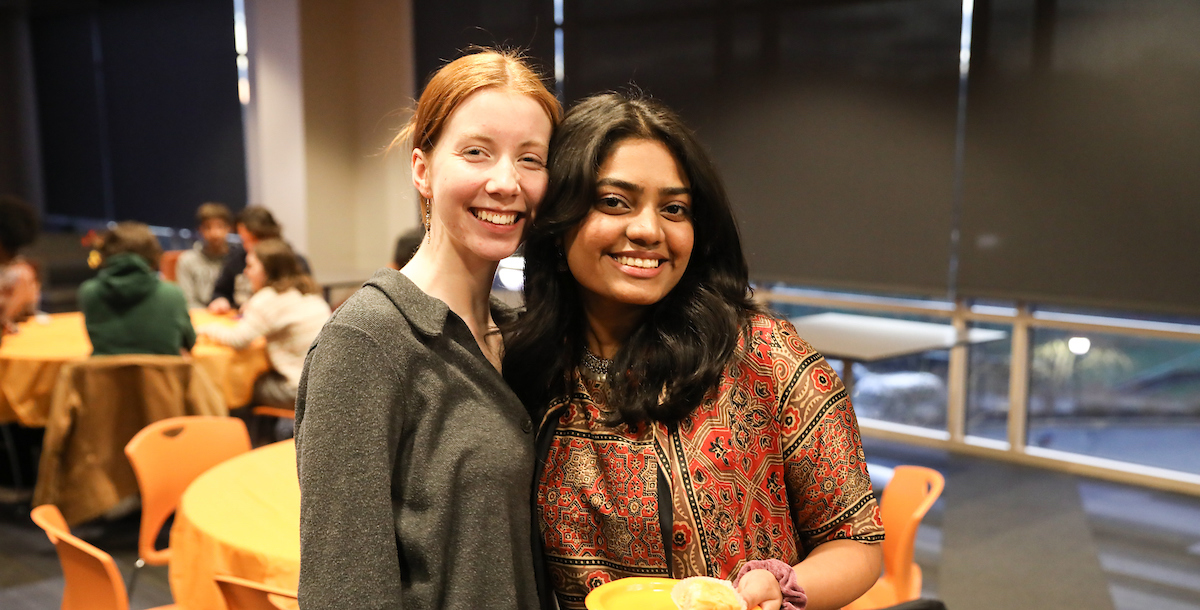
x: 240, y: 518
x: 30, y: 361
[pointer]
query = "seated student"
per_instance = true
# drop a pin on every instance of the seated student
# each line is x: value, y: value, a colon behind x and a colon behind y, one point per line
x: 254, y: 224
x: 127, y: 308
x: 287, y: 309
x: 198, y: 268
x: 19, y: 288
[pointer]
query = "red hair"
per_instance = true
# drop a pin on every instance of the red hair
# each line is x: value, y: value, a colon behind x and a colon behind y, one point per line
x: 457, y: 80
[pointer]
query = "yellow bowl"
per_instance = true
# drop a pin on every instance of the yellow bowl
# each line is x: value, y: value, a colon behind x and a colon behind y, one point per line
x: 634, y: 593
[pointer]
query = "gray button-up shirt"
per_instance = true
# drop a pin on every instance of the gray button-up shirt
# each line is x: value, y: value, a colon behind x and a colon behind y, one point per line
x: 415, y: 461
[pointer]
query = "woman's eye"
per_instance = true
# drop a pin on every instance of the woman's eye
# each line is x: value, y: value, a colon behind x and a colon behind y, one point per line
x: 532, y: 161
x: 610, y: 203
x: 677, y: 210
x: 473, y: 152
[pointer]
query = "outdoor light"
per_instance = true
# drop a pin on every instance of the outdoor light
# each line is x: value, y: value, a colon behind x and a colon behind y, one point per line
x: 512, y: 273
x: 1079, y: 345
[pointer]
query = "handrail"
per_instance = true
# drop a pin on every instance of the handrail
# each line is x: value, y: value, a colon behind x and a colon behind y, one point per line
x: 1022, y: 319
x: 985, y: 313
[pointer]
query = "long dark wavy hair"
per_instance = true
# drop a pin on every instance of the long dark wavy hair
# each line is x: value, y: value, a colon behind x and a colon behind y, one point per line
x: 684, y: 342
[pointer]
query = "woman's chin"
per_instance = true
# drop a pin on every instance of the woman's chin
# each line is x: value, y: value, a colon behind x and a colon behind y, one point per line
x: 495, y: 252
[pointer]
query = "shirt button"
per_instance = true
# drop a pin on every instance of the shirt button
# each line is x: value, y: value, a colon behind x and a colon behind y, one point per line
x: 527, y: 426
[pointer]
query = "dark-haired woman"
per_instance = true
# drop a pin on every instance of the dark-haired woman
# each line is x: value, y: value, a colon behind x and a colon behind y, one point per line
x: 687, y: 433
x: 287, y: 308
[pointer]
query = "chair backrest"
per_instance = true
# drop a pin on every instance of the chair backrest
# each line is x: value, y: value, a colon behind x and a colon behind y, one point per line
x: 92, y: 579
x: 167, y: 456
x: 906, y: 499
x: 242, y: 594
x: 167, y: 263
x: 279, y: 412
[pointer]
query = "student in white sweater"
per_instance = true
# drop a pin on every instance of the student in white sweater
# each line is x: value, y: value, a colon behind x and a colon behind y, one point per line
x: 287, y: 309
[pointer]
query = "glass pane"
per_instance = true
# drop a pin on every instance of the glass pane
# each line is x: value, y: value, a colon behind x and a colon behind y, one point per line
x: 900, y: 387
x: 1115, y: 396
x: 987, y: 385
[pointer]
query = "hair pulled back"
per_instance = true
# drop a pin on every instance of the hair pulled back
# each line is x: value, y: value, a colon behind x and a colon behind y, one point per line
x: 454, y: 82
x: 282, y: 268
x: 131, y: 236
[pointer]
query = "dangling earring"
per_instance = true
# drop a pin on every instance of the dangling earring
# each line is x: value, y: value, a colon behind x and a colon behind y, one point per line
x: 428, y: 205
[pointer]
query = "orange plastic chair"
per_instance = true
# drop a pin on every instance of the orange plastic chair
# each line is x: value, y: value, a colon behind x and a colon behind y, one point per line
x: 167, y: 264
x: 242, y: 594
x: 93, y: 581
x: 906, y: 499
x: 274, y: 412
x: 166, y: 457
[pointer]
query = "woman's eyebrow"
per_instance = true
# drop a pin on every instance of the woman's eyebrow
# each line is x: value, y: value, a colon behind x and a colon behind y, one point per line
x: 629, y: 186
x: 621, y: 184
x: 477, y: 136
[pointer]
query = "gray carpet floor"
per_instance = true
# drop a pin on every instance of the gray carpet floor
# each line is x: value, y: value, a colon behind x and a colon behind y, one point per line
x: 1017, y: 538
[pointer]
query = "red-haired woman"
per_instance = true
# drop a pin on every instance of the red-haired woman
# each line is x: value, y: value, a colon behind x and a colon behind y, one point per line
x: 416, y: 459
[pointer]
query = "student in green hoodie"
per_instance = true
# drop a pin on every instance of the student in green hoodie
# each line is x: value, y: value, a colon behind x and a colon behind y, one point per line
x: 127, y: 308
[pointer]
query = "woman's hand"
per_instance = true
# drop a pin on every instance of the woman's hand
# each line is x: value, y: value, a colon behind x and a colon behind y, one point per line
x: 760, y: 588
x: 220, y: 306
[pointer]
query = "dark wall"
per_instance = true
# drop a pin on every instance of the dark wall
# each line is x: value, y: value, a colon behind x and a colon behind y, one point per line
x: 17, y: 168
x: 444, y: 29
x: 138, y: 108
x: 1083, y: 158
x: 834, y: 123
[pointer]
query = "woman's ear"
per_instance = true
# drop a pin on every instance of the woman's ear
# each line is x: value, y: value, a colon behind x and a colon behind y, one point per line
x: 420, y: 173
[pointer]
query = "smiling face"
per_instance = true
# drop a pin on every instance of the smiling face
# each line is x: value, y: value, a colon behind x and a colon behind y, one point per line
x: 634, y: 245
x: 486, y: 174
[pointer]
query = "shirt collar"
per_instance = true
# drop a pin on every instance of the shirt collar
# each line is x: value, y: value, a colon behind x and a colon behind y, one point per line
x: 426, y: 314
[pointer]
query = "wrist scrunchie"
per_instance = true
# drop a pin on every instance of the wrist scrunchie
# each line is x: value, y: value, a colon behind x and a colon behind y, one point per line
x: 793, y: 594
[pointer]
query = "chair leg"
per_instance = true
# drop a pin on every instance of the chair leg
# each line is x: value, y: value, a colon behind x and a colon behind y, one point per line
x: 13, y: 459
x: 137, y: 567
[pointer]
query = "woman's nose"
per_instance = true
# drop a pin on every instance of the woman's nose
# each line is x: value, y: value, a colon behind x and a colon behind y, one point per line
x: 645, y: 227
x: 503, y: 180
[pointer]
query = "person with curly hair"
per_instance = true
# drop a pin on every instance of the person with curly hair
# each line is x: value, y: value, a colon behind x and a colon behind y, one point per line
x: 19, y: 287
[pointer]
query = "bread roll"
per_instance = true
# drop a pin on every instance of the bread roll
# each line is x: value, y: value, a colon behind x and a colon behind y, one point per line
x: 704, y: 593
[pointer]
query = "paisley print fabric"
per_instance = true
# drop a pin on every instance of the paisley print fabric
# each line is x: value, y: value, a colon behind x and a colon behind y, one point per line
x: 770, y: 465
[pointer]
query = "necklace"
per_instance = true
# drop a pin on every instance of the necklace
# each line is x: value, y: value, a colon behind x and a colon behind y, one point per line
x: 597, y: 365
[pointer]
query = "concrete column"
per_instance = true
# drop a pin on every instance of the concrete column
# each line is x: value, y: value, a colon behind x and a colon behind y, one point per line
x: 329, y: 84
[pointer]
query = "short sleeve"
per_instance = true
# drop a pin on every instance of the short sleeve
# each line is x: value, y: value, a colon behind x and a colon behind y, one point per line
x: 829, y: 489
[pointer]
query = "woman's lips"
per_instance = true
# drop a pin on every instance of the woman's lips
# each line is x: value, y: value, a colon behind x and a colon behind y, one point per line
x: 636, y: 266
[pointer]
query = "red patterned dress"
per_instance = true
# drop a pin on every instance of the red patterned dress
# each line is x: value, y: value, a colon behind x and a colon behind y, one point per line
x: 769, y: 466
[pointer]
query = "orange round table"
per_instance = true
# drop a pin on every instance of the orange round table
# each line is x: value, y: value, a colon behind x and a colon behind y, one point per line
x: 31, y: 359
x: 240, y: 518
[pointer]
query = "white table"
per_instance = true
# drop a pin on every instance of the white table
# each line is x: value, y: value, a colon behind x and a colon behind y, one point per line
x: 854, y: 338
